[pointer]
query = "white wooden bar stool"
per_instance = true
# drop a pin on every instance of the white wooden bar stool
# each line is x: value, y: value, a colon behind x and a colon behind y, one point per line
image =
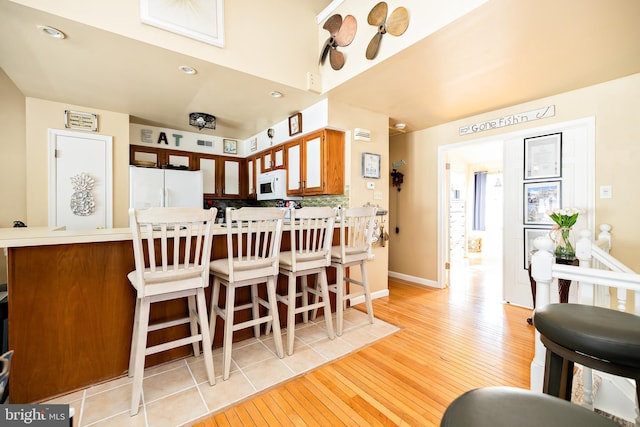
x: 178, y: 268
x: 356, y: 232
x: 253, y: 247
x: 311, y: 239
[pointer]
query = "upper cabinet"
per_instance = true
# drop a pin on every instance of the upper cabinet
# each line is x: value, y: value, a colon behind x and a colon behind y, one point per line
x: 223, y: 176
x: 161, y: 157
x: 315, y: 164
x: 272, y: 159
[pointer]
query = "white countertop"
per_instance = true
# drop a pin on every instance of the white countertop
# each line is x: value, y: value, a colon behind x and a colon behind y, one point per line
x: 42, y: 236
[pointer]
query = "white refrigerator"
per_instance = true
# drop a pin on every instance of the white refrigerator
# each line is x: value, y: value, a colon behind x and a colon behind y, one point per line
x: 150, y: 187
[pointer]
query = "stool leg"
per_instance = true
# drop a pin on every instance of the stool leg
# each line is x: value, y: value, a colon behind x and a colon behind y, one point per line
x: 340, y: 299
x: 228, y: 331
x: 324, y: 288
x: 305, y: 298
x: 558, y: 376
x: 215, y: 296
x: 273, y: 305
x: 141, y: 345
x: 291, y: 312
x: 367, y: 292
x: 193, y: 323
x: 255, y: 309
x: 206, y: 338
x: 134, y: 338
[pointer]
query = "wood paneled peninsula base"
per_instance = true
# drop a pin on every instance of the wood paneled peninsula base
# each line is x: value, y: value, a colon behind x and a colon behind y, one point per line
x: 71, y: 309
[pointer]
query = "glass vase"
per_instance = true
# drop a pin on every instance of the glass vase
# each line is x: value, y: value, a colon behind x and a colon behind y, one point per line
x: 565, y: 243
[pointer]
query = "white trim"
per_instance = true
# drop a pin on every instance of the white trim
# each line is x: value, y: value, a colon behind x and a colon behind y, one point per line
x: 588, y: 122
x: 108, y: 153
x: 374, y: 295
x: 414, y: 279
x: 328, y: 10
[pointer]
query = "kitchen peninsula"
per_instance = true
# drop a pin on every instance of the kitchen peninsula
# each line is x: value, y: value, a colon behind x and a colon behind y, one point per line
x: 71, y: 308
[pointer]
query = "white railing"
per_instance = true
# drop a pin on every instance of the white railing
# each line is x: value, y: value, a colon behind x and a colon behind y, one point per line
x: 601, y: 280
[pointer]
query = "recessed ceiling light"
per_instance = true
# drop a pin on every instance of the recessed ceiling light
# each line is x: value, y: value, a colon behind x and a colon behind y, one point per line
x: 276, y: 94
x: 51, y: 32
x: 188, y: 70
x: 400, y: 126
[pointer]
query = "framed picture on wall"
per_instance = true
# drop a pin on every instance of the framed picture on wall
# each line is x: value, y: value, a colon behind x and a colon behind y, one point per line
x: 540, y: 197
x: 530, y: 234
x: 543, y: 156
x: 371, y: 165
x: 230, y: 146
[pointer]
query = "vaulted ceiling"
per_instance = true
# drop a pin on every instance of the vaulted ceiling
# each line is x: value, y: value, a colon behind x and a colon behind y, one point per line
x: 503, y: 53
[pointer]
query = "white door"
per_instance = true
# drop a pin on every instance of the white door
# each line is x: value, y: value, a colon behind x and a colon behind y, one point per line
x: 577, y: 191
x: 80, y: 180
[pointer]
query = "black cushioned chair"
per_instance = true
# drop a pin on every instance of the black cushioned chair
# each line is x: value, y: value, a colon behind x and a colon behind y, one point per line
x: 599, y: 338
x: 508, y: 406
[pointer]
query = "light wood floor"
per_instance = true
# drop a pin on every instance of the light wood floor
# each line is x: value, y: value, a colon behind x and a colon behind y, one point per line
x: 451, y: 341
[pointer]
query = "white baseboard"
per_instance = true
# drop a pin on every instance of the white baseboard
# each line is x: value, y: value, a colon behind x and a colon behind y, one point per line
x: 414, y: 279
x: 374, y: 295
x: 616, y: 396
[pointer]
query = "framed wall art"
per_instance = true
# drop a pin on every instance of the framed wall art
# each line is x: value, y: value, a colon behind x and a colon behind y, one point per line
x: 230, y: 146
x: 530, y: 234
x: 201, y: 20
x: 543, y: 156
x: 371, y: 165
x: 540, y: 197
x: 295, y: 124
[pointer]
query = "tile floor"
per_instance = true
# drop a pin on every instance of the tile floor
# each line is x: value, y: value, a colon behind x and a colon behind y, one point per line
x: 178, y: 394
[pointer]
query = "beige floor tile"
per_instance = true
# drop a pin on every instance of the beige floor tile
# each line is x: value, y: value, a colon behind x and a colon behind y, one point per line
x: 311, y: 333
x: 124, y: 420
x: 176, y: 409
x: 100, y: 388
x: 168, y: 382
x: 303, y: 359
x: 332, y: 348
x: 250, y: 354
x: 267, y: 373
x: 224, y: 393
x: 106, y: 404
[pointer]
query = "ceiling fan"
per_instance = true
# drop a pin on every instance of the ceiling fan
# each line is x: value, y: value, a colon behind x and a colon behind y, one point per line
x: 341, y: 33
x: 396, y: 25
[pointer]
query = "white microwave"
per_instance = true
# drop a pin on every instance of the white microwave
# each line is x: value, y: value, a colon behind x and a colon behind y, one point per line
x: 272, y: 185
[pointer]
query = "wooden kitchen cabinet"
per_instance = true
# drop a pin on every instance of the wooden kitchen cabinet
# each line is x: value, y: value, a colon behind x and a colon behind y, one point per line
x: 161, y: 157
x: 273, y: 158
x: 315, y: 164
x: 223, y: 177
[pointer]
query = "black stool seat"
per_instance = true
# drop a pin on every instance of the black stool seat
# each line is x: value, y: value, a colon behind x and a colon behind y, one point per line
x: 598, y: 332
x: 598, y: 338
x: 508, y: 406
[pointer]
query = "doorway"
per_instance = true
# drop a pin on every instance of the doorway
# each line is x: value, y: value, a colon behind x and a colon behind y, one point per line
x: 476, y: 216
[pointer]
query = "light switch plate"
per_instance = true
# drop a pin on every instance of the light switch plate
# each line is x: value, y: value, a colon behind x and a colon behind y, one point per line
x: 605, y: 192
x: 371, y: 185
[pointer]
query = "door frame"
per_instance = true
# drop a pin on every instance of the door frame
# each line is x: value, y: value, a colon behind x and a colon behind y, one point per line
x: 107, y: 142
x: 443, y: 209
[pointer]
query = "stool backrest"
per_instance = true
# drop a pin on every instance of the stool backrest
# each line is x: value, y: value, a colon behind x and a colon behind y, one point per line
x: 311, y: 237
x: 253, y: 241
x: 184, y: 236
x: 356, y: 232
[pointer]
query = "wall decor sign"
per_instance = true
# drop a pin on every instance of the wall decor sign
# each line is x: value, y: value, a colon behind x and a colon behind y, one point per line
x: 253, y: 144
x: 80, y: 120
x: 82, y: 202
x: 295, y: 124
x: 198, y: 19
x: 371, y: 165
x: 510, y: 120
x: 230, y: 146
x: 530, y: 235
x: 540, y: 197
x: 543, y: 156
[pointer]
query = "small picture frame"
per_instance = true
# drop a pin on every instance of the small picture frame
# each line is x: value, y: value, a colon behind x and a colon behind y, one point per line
x: 530, y: 235
x: 230, y: 146
x: 371, y: 165
x: 295, y: 124
x: 540, y: 197
x: 543, y: 156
